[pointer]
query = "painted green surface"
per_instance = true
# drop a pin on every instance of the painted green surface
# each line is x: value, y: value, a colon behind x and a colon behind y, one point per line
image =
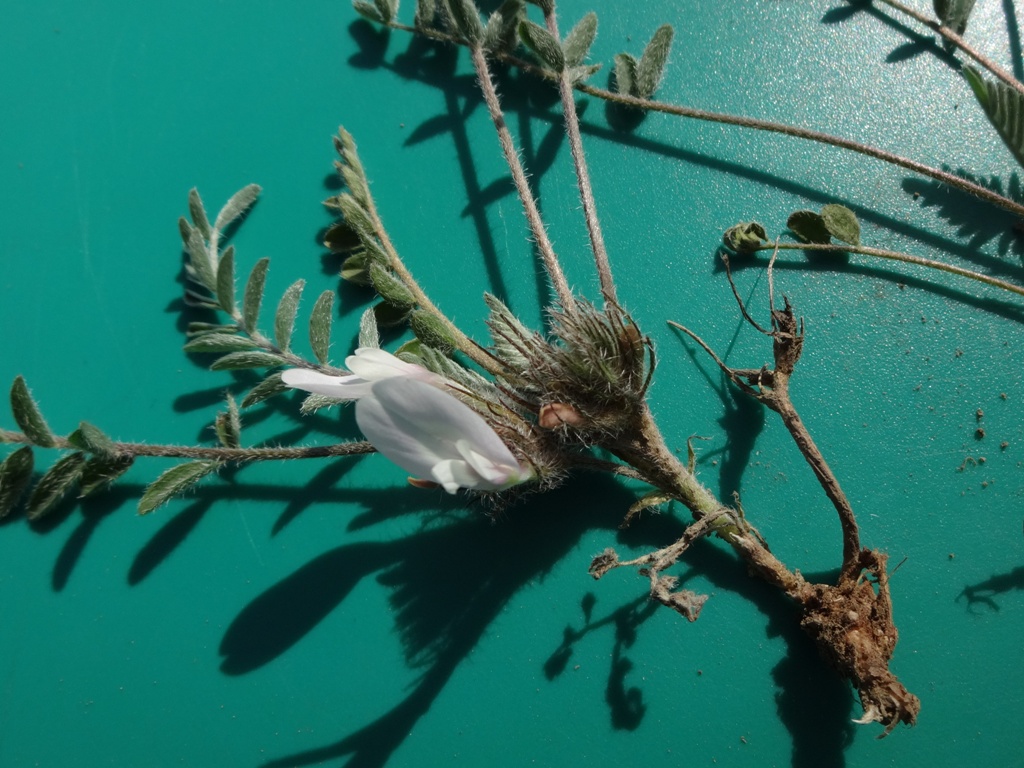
x: 330, y: 611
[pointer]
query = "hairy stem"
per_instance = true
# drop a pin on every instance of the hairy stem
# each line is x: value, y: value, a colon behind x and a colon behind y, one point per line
x: 511, y: 153
x: 222, y: 454
x: 749, y: 122
x: 572, y: 131
x: 462, y: 342
x: 897, y: 256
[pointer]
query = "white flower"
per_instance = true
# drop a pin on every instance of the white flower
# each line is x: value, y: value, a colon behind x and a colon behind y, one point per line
x: 368, y: 365
x: 434, y: 436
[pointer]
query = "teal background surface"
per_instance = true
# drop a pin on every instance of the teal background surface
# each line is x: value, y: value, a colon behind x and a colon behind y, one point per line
x: 326, y: 613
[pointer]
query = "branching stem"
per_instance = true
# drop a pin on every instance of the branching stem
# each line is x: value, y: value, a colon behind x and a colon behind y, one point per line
x: 572, y: 131
x: 511, y: 153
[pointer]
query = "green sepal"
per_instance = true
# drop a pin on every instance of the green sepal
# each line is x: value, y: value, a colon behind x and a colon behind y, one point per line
x: 27, y: 415
x: 15, y: 474
x: 173, y: 482
x: 54, y: 485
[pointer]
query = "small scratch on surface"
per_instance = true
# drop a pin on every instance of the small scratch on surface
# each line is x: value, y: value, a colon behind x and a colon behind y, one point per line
x: 252, y: 541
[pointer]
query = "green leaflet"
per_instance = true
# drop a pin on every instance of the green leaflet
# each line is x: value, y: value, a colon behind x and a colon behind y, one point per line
x: 239, y: 360
x: 341, y: 238
x: 425, y: 11
x: 625, y: 74
x: 228, y: 425
x: 390, y: 288
x: 173, y: 482
x: 542, y: 43
x: 239, y: 203
x: 320, y: 326
x: 220, y: 342
x: 54, y: 485
x: 15, y: 473
x: 367, y: 11
x: 27, y: 415
x: 953, y: 13
x: 101, y: 471
x: 270, y: 386
x: 651, y: 66
x: 577, y: 43
x: 284, y: 318
x: 841, y: 223
x: 369, y: 336
x: 198, y: 213
x: 1004, y: 107
x: 501, y: 34
x: 431, y: 331
x: 356, y: 215
x: 387, y: 9
x: 254, y: 294
x: 92, y: 439
x: 226, y: 280
x: 390, y: 315
x: 354, y: 270
x: 809, y: 227
x: 467, y: 19
x: 745, y: 237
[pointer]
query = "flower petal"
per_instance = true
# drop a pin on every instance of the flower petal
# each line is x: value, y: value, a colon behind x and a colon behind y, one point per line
x: 430, y: 434
x: 375, y: 364
x: 340, y: 387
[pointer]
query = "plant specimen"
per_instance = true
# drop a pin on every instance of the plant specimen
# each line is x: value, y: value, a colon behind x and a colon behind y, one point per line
x: 503, y: 419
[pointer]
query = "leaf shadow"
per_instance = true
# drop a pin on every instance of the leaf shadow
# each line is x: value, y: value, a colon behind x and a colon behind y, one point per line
x: 917, y: 42
x: 974, y: 219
